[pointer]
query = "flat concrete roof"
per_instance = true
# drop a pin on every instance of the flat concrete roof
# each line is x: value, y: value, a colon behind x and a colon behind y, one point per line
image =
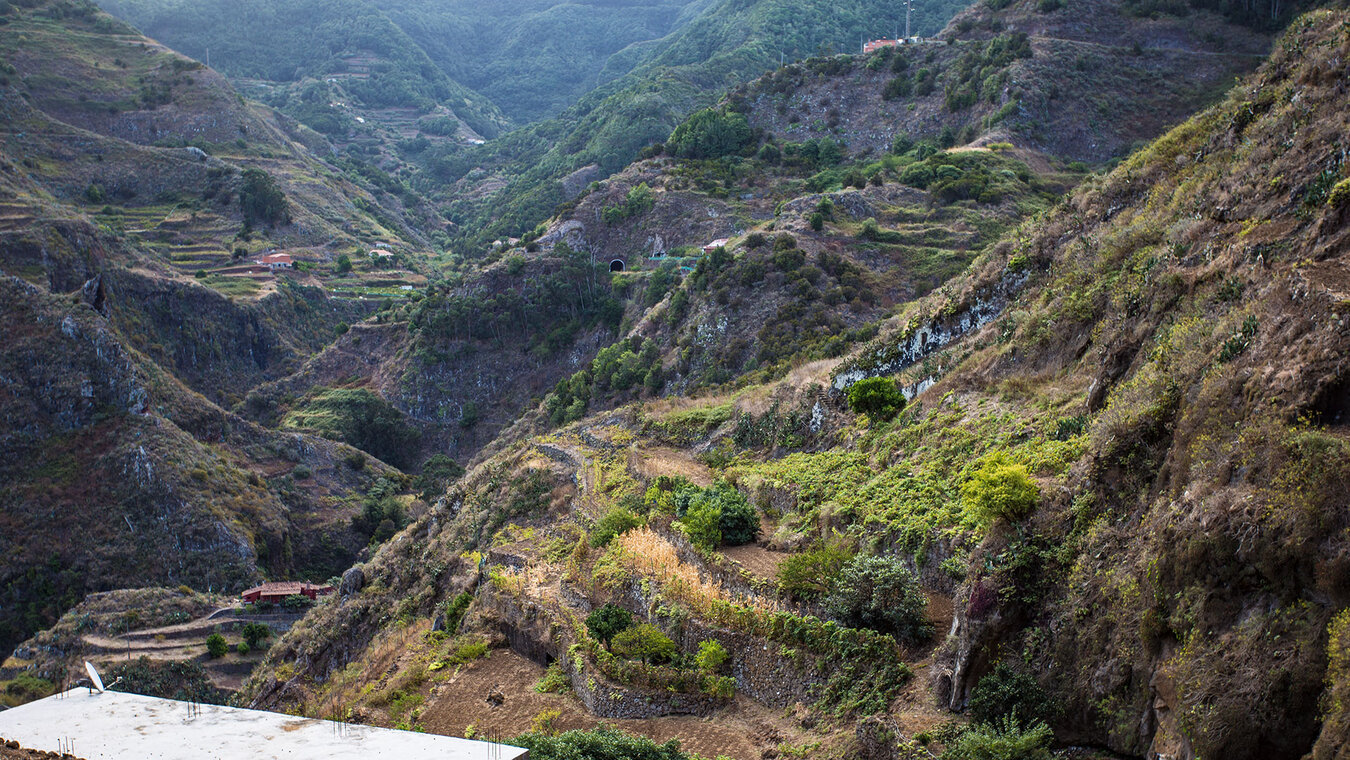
x: 120, y: 726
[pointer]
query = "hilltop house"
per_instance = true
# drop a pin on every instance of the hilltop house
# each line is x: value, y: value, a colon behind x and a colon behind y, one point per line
x: 714, y: 245
x: 884, y: 43
x: 276, y: 261
x: 275, y: 592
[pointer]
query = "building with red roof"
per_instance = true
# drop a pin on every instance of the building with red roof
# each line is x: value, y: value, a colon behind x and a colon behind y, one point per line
x: 277, y: 261
x: 275, y: 592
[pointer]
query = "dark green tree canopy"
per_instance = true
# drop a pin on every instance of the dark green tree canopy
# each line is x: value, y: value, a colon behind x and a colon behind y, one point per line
x: 608, y: 621
x: 877, y: 397
x: 710, y: 133
x: 262, y: 199
x: 882, y: 594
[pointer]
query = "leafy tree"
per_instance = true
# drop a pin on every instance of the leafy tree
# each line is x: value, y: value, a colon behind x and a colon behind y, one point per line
x: 711, y: 656
x: 712, y: 516
x: 702, y: 523
x: 382, y: 514
x: 262, y: 200
x: 1004, y: 741
x: 608, y: 621
x: 644, y: 642
x: 710, y: 133
x: 216, y: 646
x: 809, y: 574
x: 344, y: 263
x: 256, y: 633
x: 877, y: 397
x: 882, y: 594
x: 739, y: 521
x: 999, y: 488
x: 438, y: 472
x: 1009, y: 693
x: 296, y: 602
x: 615, y: 522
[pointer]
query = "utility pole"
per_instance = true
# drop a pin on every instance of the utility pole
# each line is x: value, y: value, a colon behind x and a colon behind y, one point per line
x: 909, y: 5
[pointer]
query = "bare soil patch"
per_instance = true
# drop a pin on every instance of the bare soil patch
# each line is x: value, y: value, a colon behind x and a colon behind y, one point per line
x: 672, y: 463
x: 762, y: 562
x: 742, y: 731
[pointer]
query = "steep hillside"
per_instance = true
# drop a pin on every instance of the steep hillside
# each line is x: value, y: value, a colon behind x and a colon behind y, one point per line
x: 136, y: 188
x: 185, y: 492
x: 1081, y: 81
x: 1118, y: 481
x: 784, y: 289
x: 350, y: 43
x: 111, y: 136
x: 510, y: 184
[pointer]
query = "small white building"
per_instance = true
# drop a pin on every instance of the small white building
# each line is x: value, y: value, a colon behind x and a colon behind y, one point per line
x: 276, y: 261
x: 714, y: 245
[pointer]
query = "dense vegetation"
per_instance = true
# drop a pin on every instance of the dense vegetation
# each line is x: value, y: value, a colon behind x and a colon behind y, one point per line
x: 294, y: 41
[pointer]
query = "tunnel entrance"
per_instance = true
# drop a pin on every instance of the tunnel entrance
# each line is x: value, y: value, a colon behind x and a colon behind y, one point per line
x: 616, y: 265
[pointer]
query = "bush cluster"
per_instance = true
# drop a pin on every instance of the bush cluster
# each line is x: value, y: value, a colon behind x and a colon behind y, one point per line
x: 716, y: 515
x: 882, y: 594
x: 877, y: 397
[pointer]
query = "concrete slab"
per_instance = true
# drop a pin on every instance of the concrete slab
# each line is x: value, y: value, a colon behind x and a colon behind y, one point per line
x: 119, y: 726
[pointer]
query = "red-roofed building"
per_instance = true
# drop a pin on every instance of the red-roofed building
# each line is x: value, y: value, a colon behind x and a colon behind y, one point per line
x: 275, y: 592
x: 277, y: 261
x: 714, y: 245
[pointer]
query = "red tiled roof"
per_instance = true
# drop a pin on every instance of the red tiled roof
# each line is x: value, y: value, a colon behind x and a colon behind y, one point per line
x: 277, y: 258
x: 281, y: 587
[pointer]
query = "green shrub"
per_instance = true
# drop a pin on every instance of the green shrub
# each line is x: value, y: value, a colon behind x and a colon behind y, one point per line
x: 554, y: 681
x: 296, y: 602
x: 216, y: 646
x: 877, y: 397
x: 242, y: 648
x: 716, y: 515
x: 899, y: 87
x: 1007, y: 693
x: 454, y: 612
x: 1340, y: 194
x: 882, y: 594
x: 809, y: 574
x: 703, y: 524
x: 917, y: 175
x: 817, y: 221
x: 711, y: 656
x: 600, y: 744
x: 999, y: 488
x: 27, y: 687
x: 608, y: 621
x: 1006, y: 741
x: 255, y: 634
x: 644, y: 642
x: 615, y: 522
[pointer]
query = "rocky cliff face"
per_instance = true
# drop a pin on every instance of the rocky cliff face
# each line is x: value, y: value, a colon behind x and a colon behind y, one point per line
x: 119, y: 475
